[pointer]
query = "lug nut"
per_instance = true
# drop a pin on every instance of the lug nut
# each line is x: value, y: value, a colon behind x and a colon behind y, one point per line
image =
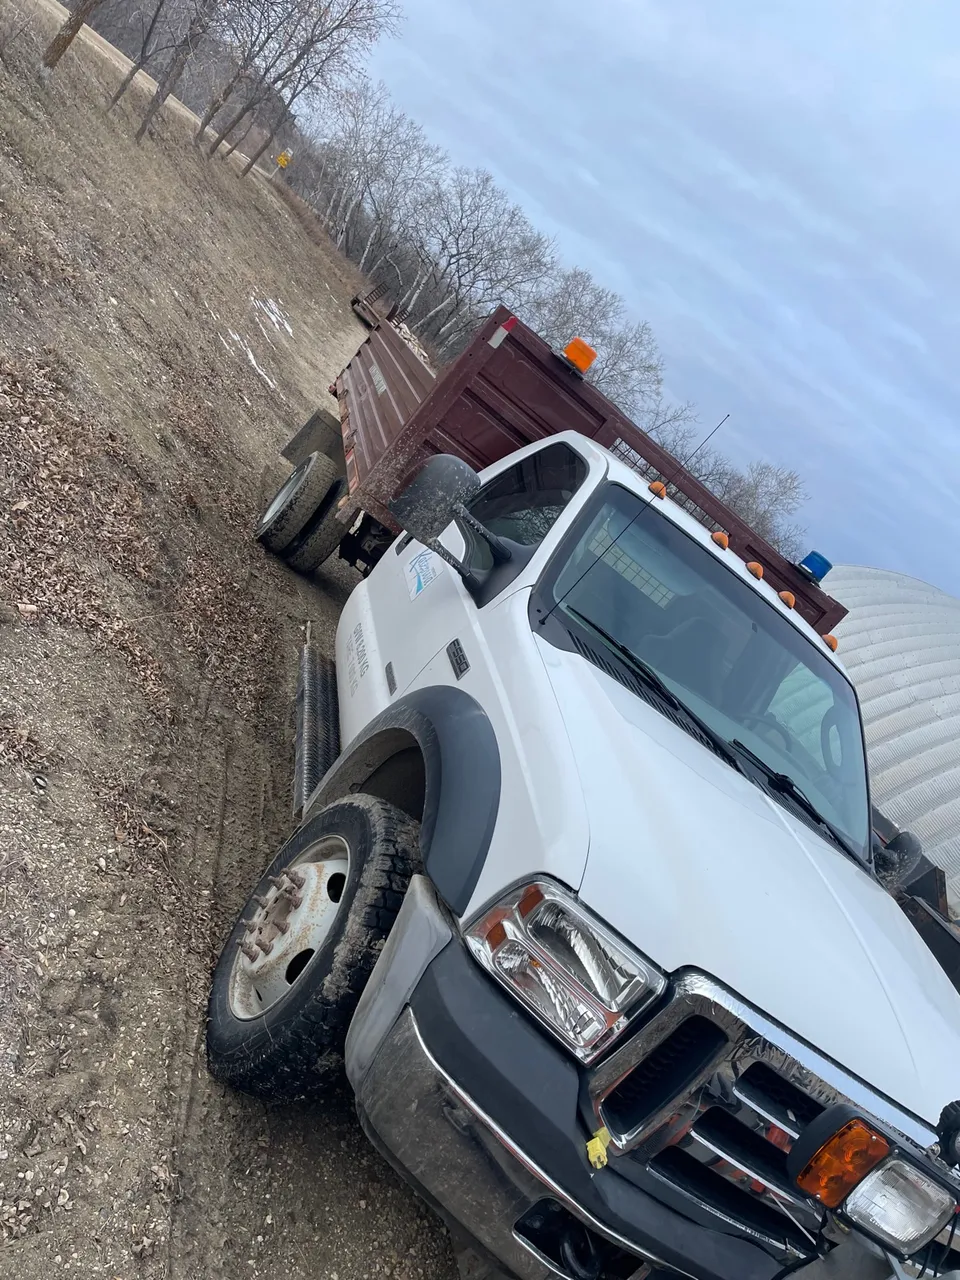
x: 297, y: 878
x: 261, y: 902
x: 248, y: 951
x: 265, y: 947
x: 281, y: 926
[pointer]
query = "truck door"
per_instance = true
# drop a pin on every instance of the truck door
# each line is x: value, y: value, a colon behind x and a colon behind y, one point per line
x: 520, y: 502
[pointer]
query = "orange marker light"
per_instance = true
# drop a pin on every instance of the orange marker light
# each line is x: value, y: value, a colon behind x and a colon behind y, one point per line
x: 496, y: 934
x: 658, y: 488
x: 532, y: 897
x: 721, y: 539
x: 842, y: 1162
x: 831, y: 643
x: 788, y: 598
x: 580, y: 354
x: 754, y: 567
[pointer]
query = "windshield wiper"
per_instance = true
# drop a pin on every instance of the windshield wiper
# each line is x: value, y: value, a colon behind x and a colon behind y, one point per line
x: 784, y: 785
x: 652, y: 679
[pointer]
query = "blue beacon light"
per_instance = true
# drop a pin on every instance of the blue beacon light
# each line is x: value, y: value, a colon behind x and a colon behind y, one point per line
x: 815, y: 566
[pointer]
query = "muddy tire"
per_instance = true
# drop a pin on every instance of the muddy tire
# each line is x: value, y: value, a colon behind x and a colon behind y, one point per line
x: 321, y: 537
x: 294, y: 504
x: 277, y: 1020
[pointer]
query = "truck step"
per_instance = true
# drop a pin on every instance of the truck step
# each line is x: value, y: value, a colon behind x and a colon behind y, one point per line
x: 317, y: 722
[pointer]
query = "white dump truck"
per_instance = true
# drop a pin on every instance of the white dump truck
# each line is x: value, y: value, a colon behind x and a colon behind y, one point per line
x: 584, y: 892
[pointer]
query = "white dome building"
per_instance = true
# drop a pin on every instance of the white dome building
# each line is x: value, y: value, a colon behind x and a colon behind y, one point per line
x: 900, y: 643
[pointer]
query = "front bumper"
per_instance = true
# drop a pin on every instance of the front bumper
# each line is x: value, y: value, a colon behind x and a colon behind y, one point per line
x: 479, y: 1110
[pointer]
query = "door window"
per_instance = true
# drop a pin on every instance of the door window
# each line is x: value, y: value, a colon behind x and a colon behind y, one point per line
x: 525, y: 501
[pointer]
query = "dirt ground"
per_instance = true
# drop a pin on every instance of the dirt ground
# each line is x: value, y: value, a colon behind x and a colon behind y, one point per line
x: 164, y: 328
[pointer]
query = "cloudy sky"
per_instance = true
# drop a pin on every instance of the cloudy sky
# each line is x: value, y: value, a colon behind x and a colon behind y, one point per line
x: 772, y: 184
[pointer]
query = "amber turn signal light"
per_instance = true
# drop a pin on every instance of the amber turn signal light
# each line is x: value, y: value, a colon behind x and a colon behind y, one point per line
x: 755, y: 568
x: 788, y: 598
x: 580, y: 354
x: 532, y: 897
x: 657, y: 488
x: 721, y: 539
x: 831, y: 643
x: 842, y: 1162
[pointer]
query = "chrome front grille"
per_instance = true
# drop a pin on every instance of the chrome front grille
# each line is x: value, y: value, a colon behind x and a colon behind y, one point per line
x: 734, y: 1162
x: 668, y: 1072
x: 704, y: 1103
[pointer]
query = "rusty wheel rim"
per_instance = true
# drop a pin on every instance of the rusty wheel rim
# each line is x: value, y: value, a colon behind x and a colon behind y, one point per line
x: 291, y: 921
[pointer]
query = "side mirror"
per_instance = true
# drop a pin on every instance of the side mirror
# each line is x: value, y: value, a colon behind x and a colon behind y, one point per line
x: 434, y: 499
x: 896, y: 863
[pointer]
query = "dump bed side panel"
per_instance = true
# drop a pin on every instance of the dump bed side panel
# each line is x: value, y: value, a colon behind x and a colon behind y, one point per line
x: 379, y: 392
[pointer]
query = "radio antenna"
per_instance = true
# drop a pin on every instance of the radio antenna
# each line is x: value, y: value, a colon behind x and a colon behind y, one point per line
x: 706, y: 440
x: 681, y: 466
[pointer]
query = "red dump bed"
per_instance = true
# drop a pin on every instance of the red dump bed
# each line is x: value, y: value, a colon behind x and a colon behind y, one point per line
x: 505, y: 391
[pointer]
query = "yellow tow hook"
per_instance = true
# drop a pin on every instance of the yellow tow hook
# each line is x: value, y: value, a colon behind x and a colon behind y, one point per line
x: 597, y: 1148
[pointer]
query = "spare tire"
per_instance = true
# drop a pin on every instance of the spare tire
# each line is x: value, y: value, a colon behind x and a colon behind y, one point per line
x: 296, y: 501
x: 293, y: 969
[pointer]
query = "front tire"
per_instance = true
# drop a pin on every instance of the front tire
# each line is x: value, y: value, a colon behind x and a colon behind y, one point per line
x: 293, y: 969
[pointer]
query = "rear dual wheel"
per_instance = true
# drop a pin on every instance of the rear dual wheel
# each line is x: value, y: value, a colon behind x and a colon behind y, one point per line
x: 321, y: 537
x: 295, y: 502
x: 300, y: 523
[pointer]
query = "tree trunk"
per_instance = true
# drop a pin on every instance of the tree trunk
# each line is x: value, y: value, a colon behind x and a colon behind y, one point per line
x: 126, y: 82
x: 369, y: 245
x: 273, y: 133
x: 215, y: 105
x: 65, y: 37
x: 421, y: 324
x: 142, y: 58
x: 445, y: 328
x: 181, y: 55
x: 341, y: 202
x: 346, y: 220
x: 250, y: 105
x: 413, y: 293
x: 225, y: 155
x: 328, y: 216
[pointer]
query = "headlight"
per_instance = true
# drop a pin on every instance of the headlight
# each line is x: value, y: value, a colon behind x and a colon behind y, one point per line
x: 571, y: 972
x: 900, y: 1206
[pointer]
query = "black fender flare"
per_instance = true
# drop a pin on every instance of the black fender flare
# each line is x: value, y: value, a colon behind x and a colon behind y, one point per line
x: 462, y: 780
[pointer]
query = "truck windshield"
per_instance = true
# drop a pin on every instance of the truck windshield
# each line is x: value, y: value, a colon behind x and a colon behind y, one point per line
x: 725, y: 653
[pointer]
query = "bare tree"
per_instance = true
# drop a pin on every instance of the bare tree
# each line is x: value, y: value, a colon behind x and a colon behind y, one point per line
x: 481, y: 249
x: 65, y: 37
x: 323, y: 40
x: 376, y: 168
x: 149, y: 48
x: 13, y: 26
x: 247, y: 30
x: 766, y: 496
x: 198, y: 26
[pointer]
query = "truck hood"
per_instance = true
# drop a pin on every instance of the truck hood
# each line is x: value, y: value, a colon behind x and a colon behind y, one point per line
x: 696, y: 866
